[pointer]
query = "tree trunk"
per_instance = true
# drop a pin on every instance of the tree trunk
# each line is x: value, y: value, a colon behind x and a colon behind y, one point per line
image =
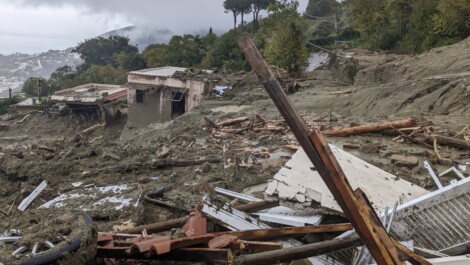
x: 242, y: 15
x: 234, y: 21
x: 370, y: 128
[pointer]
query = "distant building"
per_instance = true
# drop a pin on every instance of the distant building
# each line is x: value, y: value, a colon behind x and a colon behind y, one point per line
x: 160, y: 94
x: 94, y: 98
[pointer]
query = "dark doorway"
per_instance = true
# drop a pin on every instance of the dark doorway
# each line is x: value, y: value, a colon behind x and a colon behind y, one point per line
x: 178, y: 103
x: 139, y: 96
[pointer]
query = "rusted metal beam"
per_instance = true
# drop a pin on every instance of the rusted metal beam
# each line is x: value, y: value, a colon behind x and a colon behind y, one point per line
x: 315, y: 146
x: 301, y: 252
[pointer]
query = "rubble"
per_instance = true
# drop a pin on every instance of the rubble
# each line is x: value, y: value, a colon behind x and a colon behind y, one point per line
x: 222, y: 150
x: 404, y: 161
x: 299, y: 177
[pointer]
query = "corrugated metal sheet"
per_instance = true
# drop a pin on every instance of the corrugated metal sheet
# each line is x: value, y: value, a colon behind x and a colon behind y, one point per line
x: 438, y: 221
x: 117, y: 95
x: 166, y: 71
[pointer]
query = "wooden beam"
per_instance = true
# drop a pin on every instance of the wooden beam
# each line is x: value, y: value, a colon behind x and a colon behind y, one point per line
x: 276, y: 233
x: 370, y: 128
x: 324, y: 161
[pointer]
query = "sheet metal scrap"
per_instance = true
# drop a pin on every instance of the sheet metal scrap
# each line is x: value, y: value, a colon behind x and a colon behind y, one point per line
x: 354, y: 204
x: 198, y: 245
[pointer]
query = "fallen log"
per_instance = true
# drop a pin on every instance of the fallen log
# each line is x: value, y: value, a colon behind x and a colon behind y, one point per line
x: 300, y: 252
x: 232, y: 121
x: 92, y: 128
x: 371, y: 128
x: 21, y: 114
x: 445, y: 140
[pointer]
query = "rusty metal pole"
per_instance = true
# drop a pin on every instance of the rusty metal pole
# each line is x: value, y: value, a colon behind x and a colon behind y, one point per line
x: 300, y: 252
x: 364, y: 220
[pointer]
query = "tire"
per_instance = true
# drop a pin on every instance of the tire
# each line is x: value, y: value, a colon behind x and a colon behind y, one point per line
x: 55, y: 254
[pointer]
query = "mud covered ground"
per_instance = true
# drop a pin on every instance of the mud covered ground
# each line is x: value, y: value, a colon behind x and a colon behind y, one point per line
x: 52, y: 147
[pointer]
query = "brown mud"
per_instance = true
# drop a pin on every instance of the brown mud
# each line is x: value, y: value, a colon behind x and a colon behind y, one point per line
x: 432, y: 87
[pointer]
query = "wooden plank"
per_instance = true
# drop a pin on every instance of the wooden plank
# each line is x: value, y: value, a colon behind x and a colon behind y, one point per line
x: 276, y: 233
x: 370, y: 128
x: 321, y: 156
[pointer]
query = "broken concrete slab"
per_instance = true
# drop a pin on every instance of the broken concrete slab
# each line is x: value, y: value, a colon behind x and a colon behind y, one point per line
x: 298, y: 176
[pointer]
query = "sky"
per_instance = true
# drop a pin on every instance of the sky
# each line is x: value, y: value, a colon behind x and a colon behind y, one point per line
x: 33, y: 26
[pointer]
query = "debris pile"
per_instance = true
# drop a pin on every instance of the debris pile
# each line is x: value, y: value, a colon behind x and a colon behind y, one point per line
x: 237, y: 184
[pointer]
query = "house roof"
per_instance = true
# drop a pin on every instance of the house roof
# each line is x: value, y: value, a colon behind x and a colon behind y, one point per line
x: 166, y: 71
x: 90, y: 93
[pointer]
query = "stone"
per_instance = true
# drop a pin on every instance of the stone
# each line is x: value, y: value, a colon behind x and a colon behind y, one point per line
x: 370, y: 149
x: 112, y: 156
x: 286, y: 192
x: 416, y: 152
x: 300, y: 197
x: 405, y: 161
x: 272, y: 188
x: 313, y: 195
x: 164, y: 152
x: 206, y: 167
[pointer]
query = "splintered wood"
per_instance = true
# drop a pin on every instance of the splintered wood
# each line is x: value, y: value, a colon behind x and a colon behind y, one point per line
x: 410, y: 130
x: 361, y: 215
x: 243, y: 124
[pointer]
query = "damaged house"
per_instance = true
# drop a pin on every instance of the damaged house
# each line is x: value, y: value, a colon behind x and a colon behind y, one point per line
x: 103, y: 99
x: 160, y: 94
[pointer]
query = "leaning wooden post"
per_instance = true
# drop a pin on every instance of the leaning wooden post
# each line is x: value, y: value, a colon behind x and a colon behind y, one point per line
x: 364, y: 220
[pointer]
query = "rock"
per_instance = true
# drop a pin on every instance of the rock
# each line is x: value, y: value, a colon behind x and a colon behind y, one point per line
x: 300, y: 197
x: 143, y: 180
x: 164, y: 152
x: 370, y: 149
x: 271, y: 189
x: 206, y: 167
x: 416, y: 152
x: 404, y: 161
x: 48, y: 156
x: 112, y: 156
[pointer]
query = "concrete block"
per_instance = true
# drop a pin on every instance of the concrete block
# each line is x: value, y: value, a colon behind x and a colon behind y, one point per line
x: 405, y: 161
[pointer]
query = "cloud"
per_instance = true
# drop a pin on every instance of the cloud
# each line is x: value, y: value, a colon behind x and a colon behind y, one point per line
x: 74, y: 20
x: 180, y: 16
